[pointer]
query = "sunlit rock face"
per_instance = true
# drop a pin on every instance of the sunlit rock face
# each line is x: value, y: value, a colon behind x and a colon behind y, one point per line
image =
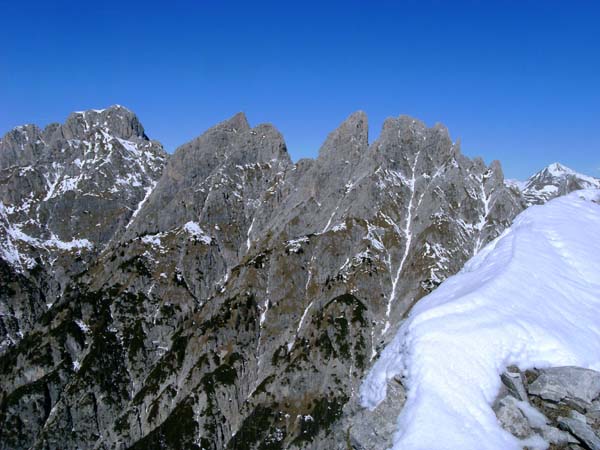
x: 223, y: 297
x: 65, y: 192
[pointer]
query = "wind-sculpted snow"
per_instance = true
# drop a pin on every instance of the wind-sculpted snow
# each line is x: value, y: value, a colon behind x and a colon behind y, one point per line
x: 530, y: 298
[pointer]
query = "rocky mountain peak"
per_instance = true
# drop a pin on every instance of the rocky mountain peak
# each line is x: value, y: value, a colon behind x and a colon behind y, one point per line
x: 233, y: 139
x: 116, y: 120
x: 553, y: 181
x: 65, y: 192
x: 226, y: 160
x: 557, y: 169
x: 403, y: 125
x: 496, y: 174
x: 237, y: 123
x: 21, y: 134
x: 406, y: 136
x: 349, y: 140
x: 19, y: 144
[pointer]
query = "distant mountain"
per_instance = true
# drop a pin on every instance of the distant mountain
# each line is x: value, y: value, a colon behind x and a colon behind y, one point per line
x: 517, y: 184
x: 551, y: 182
x: 222, y: 296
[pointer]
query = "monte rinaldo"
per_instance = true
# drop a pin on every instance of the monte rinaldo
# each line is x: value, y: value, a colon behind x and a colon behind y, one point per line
x: 224, y: 297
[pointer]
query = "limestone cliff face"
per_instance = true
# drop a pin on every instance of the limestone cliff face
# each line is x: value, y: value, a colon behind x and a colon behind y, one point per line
x: 65, y: 193
x: 228, y: 298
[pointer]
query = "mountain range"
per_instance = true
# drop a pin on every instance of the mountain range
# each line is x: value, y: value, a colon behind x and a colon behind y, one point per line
x: 225, y: 297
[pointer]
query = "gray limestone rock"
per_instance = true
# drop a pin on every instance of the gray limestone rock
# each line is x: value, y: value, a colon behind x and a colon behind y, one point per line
x: 514, y: 382
x: 557, y: 437
x: 512, y: 418
x: 550, y: 395
x: 581, y: 430
x: 372, y: 430
x: 560, y: 383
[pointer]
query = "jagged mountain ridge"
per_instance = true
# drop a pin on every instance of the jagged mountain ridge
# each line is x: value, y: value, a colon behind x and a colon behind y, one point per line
x: 239, y: 303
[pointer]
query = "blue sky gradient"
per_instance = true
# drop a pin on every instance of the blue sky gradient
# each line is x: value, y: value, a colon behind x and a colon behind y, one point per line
x: 517, y: 81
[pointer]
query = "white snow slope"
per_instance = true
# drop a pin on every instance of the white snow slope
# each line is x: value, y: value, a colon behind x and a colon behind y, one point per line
x: 531, y: 298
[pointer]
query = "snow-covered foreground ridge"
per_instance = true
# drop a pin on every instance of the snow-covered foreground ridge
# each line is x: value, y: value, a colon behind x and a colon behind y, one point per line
x: 530, y: 298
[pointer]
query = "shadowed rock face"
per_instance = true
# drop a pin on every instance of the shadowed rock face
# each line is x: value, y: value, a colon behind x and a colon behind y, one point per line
x: 239, y: 302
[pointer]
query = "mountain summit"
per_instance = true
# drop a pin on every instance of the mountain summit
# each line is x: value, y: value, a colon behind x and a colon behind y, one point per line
x: 553, y: 181
x: 65, y: 192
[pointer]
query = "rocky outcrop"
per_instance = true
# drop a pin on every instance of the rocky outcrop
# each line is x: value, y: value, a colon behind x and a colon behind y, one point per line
x: 557, y: 407
x: 239, y: 302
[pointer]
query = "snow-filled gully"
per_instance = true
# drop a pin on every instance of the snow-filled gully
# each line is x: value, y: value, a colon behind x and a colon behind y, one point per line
x: 408, y: 236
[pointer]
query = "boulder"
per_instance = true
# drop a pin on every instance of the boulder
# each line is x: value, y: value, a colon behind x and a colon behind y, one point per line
x: 560, y: 383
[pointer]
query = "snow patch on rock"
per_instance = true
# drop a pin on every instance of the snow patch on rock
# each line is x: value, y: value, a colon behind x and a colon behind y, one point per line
x: 197, y: 232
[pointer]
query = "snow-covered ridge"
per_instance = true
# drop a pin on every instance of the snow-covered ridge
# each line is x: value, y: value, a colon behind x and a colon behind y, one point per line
x: 519, y: 184
x: 531, y: 298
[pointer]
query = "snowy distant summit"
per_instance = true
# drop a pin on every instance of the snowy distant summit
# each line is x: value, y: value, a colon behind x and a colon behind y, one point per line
x: 517, y: 184
x: 557, y: 170
x: 551, y: 182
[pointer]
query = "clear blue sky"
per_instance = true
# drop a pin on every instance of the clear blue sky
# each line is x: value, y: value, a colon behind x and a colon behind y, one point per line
x: 517, y: 81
